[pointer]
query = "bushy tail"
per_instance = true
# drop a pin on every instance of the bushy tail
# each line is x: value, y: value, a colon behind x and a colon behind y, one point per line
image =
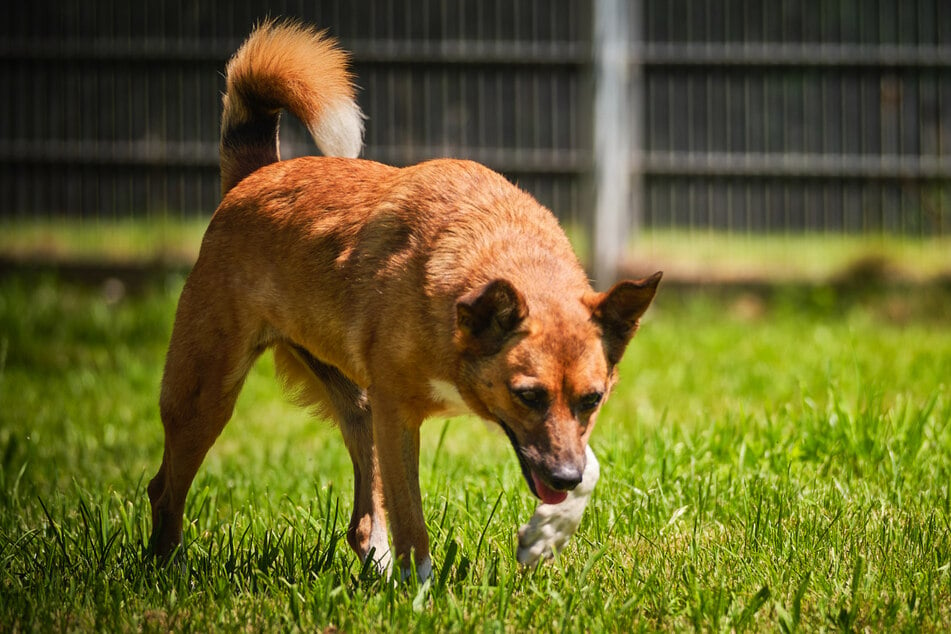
x: 294, y: 67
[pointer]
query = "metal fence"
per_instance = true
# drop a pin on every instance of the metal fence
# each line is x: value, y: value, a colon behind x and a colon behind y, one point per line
x: 744, y: 115
x: 113, y: 108
x: 787, y: 115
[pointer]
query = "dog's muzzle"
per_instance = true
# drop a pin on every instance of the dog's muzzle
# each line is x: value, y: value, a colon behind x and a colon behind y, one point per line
x: 550, y: 488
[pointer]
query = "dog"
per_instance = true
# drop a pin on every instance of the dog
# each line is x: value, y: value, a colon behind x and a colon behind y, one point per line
x: 388, y: 295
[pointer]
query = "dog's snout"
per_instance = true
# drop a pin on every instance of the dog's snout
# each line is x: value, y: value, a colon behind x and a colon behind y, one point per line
x: 565, y: 478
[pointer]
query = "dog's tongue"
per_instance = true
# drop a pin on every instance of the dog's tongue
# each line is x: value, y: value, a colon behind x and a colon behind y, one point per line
x: 546, y: 493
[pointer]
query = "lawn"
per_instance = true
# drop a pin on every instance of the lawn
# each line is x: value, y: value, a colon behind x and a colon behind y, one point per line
x: 691, y: 255
x: 768, y: 463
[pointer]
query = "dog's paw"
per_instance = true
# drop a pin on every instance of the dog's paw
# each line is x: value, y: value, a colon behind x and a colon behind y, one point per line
x: 422, y: 569
x: 380, y: 550
x: 381, y: 562
x: 553, y: 524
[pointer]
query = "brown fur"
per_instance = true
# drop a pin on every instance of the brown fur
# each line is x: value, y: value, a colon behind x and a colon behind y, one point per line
x: 371, y: 283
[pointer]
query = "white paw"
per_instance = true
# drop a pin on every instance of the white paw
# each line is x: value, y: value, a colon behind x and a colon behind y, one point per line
x: 380, y: 550
x: 424, y: 570
x: 552, y: 524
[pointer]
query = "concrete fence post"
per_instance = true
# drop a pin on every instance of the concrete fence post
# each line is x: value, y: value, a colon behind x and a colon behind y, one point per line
x: 617, y: 135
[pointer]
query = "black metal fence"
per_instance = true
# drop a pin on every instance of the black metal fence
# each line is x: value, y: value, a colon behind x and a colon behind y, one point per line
x: 830, y: 115
x: 749, y: 115
x: 114, y: 107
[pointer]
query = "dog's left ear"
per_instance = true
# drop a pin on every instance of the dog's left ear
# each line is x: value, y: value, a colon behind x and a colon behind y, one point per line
x: 618, y: 312
x: 487, y: 316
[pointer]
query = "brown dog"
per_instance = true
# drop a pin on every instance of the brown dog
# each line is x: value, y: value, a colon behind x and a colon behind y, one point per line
x: 388, y: 295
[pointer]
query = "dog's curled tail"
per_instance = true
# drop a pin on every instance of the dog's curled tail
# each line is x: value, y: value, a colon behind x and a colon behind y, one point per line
x: 291, y: 66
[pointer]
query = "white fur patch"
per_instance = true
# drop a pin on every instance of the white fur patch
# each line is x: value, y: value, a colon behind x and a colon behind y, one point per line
x: 552, y: 524
x: 339, y: 130
x: 424, y: 570
x: 381, y: 549
x: 447, y: 394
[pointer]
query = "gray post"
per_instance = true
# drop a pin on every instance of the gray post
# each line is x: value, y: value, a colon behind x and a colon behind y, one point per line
x: 616, y: 132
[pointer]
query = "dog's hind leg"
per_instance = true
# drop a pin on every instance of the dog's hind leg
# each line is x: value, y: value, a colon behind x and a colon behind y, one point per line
x: 211, y: 350
x: 322, y: 385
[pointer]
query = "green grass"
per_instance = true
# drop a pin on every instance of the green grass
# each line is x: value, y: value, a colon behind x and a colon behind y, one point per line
x: 775, y: 257
x: 767, y: 464
x: 172, y: 240
x: 683, y: 254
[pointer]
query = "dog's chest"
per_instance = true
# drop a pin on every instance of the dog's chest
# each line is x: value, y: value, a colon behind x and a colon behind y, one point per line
x: 446, y: 393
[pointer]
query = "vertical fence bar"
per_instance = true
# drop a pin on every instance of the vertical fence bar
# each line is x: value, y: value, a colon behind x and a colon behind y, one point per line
x: 612, y: 136
x: 635, y: 106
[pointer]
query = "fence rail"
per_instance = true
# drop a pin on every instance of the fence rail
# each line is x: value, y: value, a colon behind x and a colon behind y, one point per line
x: 803, y: 55
x: 792, y: 165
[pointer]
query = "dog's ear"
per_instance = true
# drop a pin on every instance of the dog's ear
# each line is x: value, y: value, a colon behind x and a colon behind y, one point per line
x: 618, y: 312
x: 487, y: 316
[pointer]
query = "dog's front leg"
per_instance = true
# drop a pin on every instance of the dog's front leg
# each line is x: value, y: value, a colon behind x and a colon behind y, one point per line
x: 553, y: 524
x: 396, y: 435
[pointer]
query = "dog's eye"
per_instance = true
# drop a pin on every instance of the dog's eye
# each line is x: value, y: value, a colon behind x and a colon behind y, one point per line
x: 589, y: 401
x: 533, y: 398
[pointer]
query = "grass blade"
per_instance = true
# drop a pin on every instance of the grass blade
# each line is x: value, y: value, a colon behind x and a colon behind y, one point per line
x: 752, y: 607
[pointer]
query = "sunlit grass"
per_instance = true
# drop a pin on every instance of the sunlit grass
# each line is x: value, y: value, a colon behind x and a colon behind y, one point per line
x: 164, y: 239
x: 683, y: 254
x: 779, y: 467
x: 790, y: 257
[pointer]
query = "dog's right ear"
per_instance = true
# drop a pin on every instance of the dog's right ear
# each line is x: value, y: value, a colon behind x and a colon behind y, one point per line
x: 487, y: 316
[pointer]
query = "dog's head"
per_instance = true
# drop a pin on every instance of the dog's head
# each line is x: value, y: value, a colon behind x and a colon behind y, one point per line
x: 543, y: 371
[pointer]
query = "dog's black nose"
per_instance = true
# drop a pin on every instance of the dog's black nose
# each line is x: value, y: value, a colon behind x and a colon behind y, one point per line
x: 565, y: 478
